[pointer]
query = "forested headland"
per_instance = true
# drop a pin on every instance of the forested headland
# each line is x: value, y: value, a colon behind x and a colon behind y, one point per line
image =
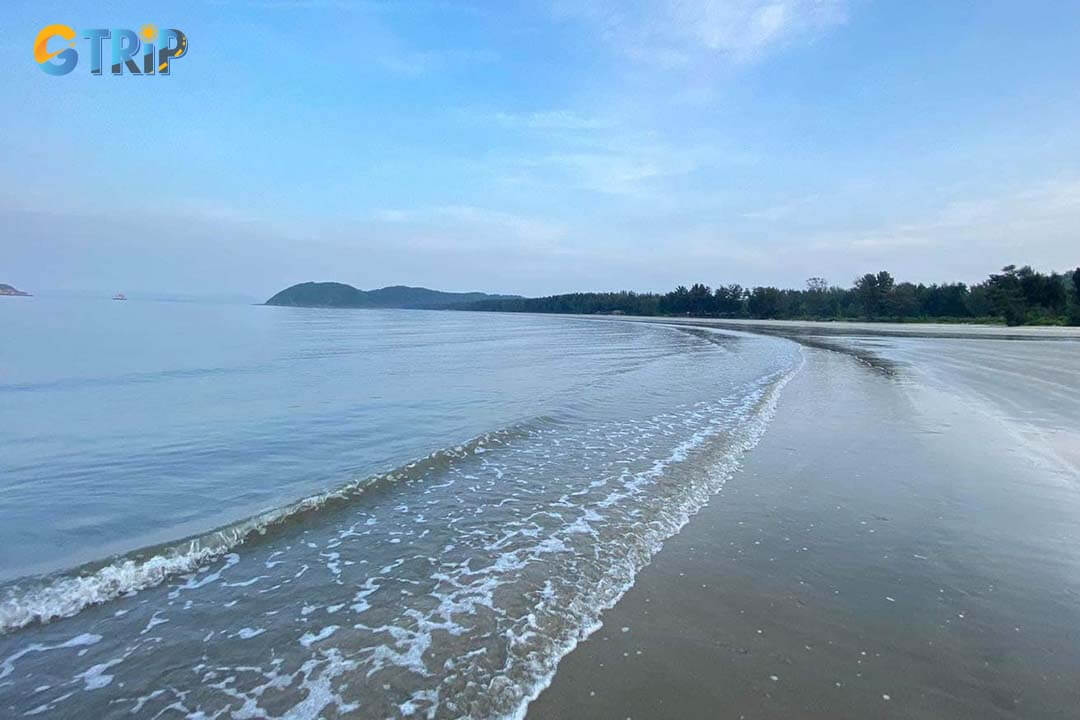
x: 1015, y: 296
x: 340, y: 295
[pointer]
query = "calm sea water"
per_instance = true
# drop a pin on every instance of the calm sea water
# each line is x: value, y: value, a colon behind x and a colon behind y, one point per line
x: 242, y: 511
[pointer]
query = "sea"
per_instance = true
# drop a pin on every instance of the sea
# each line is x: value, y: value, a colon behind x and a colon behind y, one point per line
x: 242, y: 511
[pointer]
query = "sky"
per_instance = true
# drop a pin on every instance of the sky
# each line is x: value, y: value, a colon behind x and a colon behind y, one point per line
x: 543, y: 147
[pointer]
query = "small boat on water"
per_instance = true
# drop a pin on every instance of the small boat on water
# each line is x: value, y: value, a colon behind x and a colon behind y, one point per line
x: 119, y: 296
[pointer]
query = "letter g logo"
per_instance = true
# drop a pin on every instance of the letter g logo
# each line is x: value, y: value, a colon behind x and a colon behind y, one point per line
x: 42, y: 56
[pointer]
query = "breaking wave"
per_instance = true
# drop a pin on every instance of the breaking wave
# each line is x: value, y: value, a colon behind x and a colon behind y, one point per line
x: 651, y: 540
x: 67, y: 593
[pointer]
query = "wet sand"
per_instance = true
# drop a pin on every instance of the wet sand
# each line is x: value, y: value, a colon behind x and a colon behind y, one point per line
x: 848, y: 328
x: 886, y: 551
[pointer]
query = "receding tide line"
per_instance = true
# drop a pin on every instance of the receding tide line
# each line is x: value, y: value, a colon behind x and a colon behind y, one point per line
x: 762, y: 421
x: 68, y: 593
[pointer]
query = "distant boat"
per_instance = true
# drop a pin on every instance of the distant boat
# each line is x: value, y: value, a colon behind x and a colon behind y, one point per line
x: 119, y: 296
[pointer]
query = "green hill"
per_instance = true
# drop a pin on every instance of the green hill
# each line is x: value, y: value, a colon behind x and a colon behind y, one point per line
x: 333, y: 294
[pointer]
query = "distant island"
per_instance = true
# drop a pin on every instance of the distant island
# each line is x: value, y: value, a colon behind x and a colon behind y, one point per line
x: 340, y: 295
x: 12, y: 291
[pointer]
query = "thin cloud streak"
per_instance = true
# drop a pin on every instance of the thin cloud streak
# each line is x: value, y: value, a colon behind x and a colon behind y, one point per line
x: 678, y: 33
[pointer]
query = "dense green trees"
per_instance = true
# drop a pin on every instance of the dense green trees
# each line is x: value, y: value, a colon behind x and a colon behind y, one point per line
x: 623, y: 303
x: 1074, y: 307
x: 873, y: 291
x: 1015, y: 296
x: 1023, y: 295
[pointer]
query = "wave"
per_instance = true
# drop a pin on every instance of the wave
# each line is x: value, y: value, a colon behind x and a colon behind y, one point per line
x: 135, y: 378
x: 680, y: 514
x: 67, y: 593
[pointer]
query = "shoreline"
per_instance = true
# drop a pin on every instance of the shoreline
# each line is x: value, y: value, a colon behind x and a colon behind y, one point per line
x: 796, y: 329
x: 883, y: 552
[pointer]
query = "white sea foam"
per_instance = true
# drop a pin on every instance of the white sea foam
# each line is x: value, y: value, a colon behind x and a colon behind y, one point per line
x: 7, y: 665
x: 246, y: 633
x: 308, y: 639
x: 95, y: 677
x: 67, y: 594
x: 751, y: 433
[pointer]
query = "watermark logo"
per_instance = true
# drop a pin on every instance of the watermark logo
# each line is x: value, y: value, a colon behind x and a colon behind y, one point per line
x: 147, y: 52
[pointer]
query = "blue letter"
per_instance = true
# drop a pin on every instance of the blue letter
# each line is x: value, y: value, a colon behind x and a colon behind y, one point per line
x: 166, y: 53
x: 95, y: 37
x: 148, y: 58
x: 122, y: 54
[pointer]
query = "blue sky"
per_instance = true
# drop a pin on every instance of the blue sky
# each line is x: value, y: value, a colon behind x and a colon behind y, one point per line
x: 544, y: 147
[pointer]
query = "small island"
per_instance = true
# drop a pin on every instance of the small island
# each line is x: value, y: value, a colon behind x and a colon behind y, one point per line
x: 340, y: 295
x: 12, y: 291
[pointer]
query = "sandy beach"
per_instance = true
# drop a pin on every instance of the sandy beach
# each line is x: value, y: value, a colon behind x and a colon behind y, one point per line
x: 891, y: 549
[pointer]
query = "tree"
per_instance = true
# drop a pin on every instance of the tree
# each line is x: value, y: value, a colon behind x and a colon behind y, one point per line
x: 676, y: 302
x: 872, y: 290
x: 1007, y: 295
x: 729, y: 300
x: 978, y: 302
x: 885, y: 282
x: 765, y: 302
x: 903, y: 301
x: 1074, y: 311
x: 814, y: 299
x: 949, y: 300
x: 700, y: 300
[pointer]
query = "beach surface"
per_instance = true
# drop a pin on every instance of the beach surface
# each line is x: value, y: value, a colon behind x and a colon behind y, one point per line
x: 362, y: 514
x: 422, y: 514
x: 904, y: 542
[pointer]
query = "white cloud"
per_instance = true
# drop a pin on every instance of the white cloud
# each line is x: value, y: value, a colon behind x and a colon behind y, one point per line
x: 679, y: 32
x: 477, y: 227
x: 551, y: 120
x: 636, y: 165
x: 414, y: 63
x: 1032, y: 224
x: 618, y: 173
x: 785, y: 210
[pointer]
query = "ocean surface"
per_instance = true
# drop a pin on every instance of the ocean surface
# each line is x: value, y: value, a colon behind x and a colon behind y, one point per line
x: 229, y: 511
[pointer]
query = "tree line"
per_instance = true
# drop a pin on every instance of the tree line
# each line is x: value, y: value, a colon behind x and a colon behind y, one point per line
x: 1016, y: 296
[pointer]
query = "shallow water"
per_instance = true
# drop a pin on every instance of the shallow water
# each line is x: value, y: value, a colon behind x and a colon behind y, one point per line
x: 903, y: 543
x: 473, y: 490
